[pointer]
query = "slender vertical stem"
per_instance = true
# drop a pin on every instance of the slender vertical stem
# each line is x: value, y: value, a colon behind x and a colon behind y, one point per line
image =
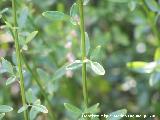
x: 83, y: 50
x: 18, y: 55
x: 42, y: 90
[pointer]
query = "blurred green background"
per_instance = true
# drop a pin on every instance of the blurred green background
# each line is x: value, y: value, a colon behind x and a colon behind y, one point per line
x: 125, y: 30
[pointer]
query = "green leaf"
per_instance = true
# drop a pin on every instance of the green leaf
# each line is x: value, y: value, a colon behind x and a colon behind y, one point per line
x: 157, y: 55
x: 97, y: 68
x: 73, y: 109
x: 154, y: 78
x: 11, y: 80
x: 2, y: 115
x: 40, y: 108
x: 132, y: 5
x: 76, y: 64
x: 55, y: 15
x: 30, y: 97
x: 85, y: 2
x: 117, y: 114
x: 31, y: 36
x: 152, y: 5
x: 4, y: 10
x: 5, y: 109
x: 23, y: 108
x: 93, y: 109
x: 33, y: 113
x: 142, y: 67
x: 6, y: 66
x: 74, y: 13
x: 95, y: 53
x: 87, y: 43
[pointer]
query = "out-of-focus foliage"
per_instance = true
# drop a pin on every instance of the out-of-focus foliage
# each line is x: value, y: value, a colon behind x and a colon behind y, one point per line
x: 120, y: 32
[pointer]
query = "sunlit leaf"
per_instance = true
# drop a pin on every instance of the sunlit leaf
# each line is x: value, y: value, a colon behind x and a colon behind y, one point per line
x: 141, y: 67
x: 157, y: 55
x: 10, y: 80
x: 40, y: 108
x: 23, y: 108
x: 97, y: 68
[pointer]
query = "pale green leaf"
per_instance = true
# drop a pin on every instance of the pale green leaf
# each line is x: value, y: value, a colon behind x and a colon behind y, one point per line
x: 97, y: 68
x: 23, y: 108
x: 2, y: 115
x: 76, y: 64
x: 117, y: 115
x: 30, y: 97
x: 93, y: 109
x: 40, y: 108
x: 5, y: 109
x: 74, y: 14
x: 10, y: 80
x: 55, y: 15
x: 142, y: 67
x: 73, y: 109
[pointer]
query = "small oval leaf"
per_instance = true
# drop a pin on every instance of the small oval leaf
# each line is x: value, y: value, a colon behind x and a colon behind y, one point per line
x: 11, y: 80
x: 54, y: 15
x: 23, y: 108
x: 40, y: 108
x: 72, y: 109
x: 97, y: 68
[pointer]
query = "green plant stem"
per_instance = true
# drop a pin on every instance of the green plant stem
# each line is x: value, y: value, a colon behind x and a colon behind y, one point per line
x: 83, y: 50
x: 42, y: 90
x: 18, y: 55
